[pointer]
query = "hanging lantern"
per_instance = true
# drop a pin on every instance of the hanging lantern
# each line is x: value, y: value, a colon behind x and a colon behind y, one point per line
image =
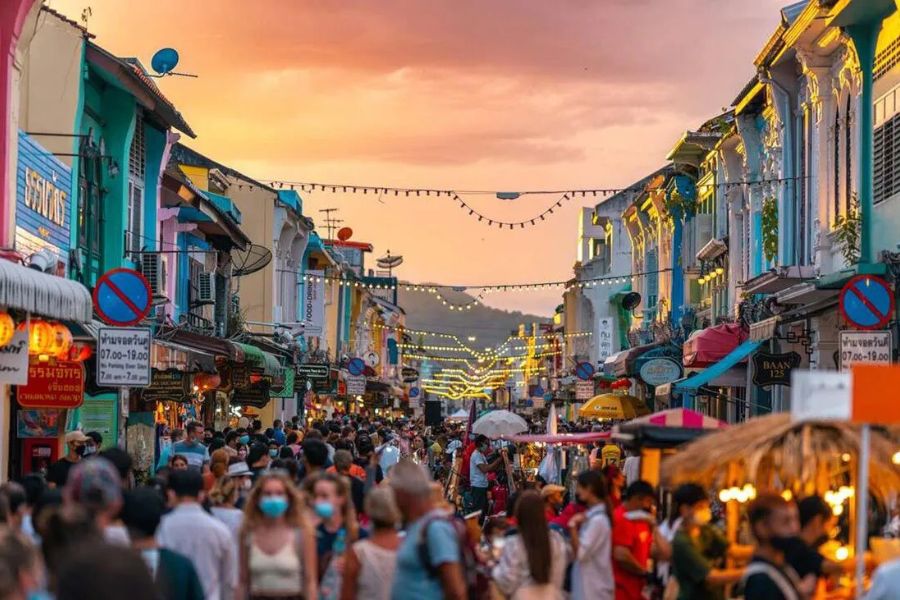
x: 61, y: 341
x: 7, y: 328
x: 80, y: 352
x: 207, y: 381
x: 40, y: 338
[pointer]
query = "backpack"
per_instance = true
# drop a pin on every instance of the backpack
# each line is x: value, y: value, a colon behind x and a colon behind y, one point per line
x: 785, y: 581
x: 475, y: 572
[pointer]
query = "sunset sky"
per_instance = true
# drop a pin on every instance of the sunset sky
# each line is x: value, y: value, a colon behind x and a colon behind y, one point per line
x: 451, y: 94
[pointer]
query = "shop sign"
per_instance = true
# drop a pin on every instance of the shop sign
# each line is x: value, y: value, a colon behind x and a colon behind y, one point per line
x: 240, y: 376
x: 657, y: 371
x: 123, y: 356
x: 356, y: 385
x: 283, y: 384
x: 313, y: 371
x: 169, y: 384
x: 865, y: 347
x: 584, y: 390
x: 774, y: 369
x: 14, y: 359
x: 42, y: 203
x: 32, y: 423
x: 257, y: 395
x: 59, y: 385
x: 604, y: 338
x: 410, y: 375
x: 314, y: 304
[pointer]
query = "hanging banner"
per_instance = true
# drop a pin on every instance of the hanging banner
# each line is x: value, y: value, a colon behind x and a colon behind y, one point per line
x: 774, y: 369
x: 604, y: 338
x: 59, y: 385
x: 32, y: 423
x: 314, y: 304
x: 14, y: 359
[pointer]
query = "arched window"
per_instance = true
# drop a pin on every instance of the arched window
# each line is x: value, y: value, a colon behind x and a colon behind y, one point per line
x: 848, y: 157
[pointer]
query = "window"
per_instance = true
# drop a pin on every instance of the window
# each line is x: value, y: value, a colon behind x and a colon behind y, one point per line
x: 801, y: 197
x: 136, y: 170
x: 886, y: 145
x: 652, y: 279
x: 836, y: 164
x: 90, y: 186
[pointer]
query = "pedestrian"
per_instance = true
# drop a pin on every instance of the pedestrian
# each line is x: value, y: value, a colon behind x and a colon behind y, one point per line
x: 343, y: 463
x: 552, y: 495
x: 336, y: 530
x: 429, y: 563
x: 533, y: 561
x: 479, y: 467
x: 192, y: 448
x: 817, y: 520
x: 315, y: 457
x: 632, y: 541
x: 370, y: 564
x: 174, y: 574
x: 94, y: 445
x: 698, y: 549
x: 20, y: 566
x: 95, y: 487
x: 218, y: 466
x: 258, y: 458
x: 231, y: 443
x: 885, y: 581
x: 590, y: 531
x: 165, y: 456
x: 277, y: 545
x: 179, y: 463
x: 16, y: 504
x: 104, y: 572
x: 34, y: 486
x: 615, y: 483
x: 58, y: 472
x: 190, y: 531
x: 774, y: 523
x: 224, y: 497
x: 278, y: 434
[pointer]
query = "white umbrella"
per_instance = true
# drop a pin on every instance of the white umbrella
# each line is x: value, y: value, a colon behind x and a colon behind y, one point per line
x: 460, y: 415
x: 498, y: 423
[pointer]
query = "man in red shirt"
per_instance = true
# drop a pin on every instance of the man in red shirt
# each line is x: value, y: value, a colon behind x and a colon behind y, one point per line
x: 632, y: 538
x: 553, y: 500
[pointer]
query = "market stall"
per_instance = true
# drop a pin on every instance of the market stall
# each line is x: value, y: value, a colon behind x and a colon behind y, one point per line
x: 792, y: 458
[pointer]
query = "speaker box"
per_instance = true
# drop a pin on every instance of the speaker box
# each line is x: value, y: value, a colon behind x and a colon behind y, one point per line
x: 433, y: 413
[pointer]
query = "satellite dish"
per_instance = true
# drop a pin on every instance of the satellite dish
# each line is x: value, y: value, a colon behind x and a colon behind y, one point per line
x: 344, y: 234
x: 631, y: 300
x: 251, y: 260
x: 389, y: 262
x: 164, y: 61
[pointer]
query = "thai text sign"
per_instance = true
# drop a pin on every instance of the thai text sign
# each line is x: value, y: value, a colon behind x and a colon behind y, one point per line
x: 865, y: 347
x: 774, y: 369
x: 169, y: 384
x: 43, y: 186
x: 59, y: 385
x: 604, y: 338
x: 14, y: 359
x: 657, y: 371
x: 123, y: 356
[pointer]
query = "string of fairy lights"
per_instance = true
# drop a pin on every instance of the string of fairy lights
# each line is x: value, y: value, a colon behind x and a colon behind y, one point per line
x: 560, y: 196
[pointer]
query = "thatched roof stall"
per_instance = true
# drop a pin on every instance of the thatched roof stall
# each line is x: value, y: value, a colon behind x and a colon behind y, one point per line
x: 775, y: 453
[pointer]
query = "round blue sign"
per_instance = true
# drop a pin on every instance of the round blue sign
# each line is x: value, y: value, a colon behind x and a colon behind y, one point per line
x: 584, y: 371
x: 122, y: 297
x: 414, y: 392
x: 538, y: 392
x: 356, y: 366
x: 867, y: 302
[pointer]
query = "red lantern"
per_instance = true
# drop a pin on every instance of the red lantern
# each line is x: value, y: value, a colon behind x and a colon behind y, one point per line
x: 80, y: 352
x: 207, y: 381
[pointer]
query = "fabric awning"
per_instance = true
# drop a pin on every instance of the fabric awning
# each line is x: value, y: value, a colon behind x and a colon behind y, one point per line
x: 193, y: 359
x: 710, y: 345
x: 44, y: 295
x: 692, y: 383
x: 764, y: 330
x: 259, y: 359
x: 559, y: 438
x: 622, y: 363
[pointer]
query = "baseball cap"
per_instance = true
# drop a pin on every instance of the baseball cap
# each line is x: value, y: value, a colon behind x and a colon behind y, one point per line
x: 76, y: 436
x: 552, y: 488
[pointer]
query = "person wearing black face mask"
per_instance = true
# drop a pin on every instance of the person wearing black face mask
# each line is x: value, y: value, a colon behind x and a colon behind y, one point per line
x: 775, y: 524
x: 58, y: 473
x: 479, y: 467
x: 802, y: 554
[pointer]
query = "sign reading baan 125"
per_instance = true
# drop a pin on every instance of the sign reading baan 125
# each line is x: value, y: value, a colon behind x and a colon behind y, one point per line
x: 865, y: 347
x: 123, y: 356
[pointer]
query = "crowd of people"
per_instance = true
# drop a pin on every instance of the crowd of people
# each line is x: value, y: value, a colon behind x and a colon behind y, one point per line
x: 357, y: 509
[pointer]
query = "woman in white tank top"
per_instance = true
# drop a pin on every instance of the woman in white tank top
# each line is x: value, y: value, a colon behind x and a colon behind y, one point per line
x: 278, y: 548
x: 369, y: 566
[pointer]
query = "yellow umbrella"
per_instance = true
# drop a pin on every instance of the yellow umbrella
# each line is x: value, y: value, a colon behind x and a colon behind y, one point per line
x: 611, y: 406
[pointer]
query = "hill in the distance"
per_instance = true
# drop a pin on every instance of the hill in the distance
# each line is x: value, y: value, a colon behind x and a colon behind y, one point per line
x: 490, y: 326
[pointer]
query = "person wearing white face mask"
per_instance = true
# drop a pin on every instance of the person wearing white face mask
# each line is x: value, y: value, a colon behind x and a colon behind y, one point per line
x: 698, y: 549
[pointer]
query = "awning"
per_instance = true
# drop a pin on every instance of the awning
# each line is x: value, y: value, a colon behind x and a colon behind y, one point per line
x: 622, y: 364
x: 559, y: 438
x: 44, y: 295
x: 193, y: 359
x: 692, y: 383
x: 710, y: 345
x: 779, y: 279
x: 259, y: 359
x: 764, y: 330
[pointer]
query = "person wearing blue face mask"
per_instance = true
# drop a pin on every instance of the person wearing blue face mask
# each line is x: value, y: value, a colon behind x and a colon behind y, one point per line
x: 277, y: 545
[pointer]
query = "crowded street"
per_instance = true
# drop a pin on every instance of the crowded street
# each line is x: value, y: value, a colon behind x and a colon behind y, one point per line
x: 469, y: 300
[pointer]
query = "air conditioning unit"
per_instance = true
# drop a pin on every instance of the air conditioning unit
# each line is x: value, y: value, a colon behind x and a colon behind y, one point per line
x: 152, y: 270
x: 206, y: 288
